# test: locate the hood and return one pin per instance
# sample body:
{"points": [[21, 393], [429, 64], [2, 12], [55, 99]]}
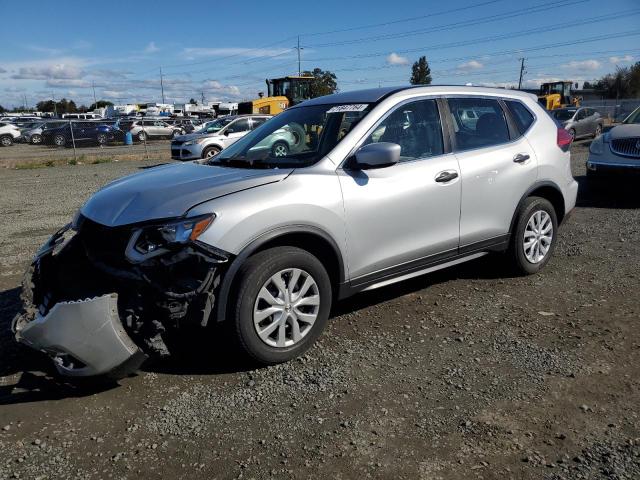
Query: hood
{"points": [[625, 131], [170, 191], [192, 136]]}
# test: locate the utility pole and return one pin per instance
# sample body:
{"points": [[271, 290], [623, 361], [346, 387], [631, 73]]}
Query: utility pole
{"points": [[202, 97], [522, 72], [55, 107], [95, 102], [298, 47], [161, 85]]}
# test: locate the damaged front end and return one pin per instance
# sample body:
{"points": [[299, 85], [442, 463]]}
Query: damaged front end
{"points": [[100, 300]]}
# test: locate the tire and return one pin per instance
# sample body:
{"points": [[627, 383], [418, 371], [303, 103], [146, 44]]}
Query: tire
{"points": [[6, 140], [36, 139], [142, 136], [280, 149], [59, 140], [176, 133], [102, 139], [527, 263], [210, 152], [256, 276], [598, 131], [572, 132]]}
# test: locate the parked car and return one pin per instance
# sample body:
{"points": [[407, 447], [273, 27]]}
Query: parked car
{"points": [[9, 133], [82, 133], [579, 122], [215, 136], [187, 125], [33, 134], [145, 129], [618, 150], [373, 195]]}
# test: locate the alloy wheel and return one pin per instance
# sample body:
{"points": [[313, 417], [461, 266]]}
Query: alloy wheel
{"points": [[280, 150], [286, 308], [538, 236]]}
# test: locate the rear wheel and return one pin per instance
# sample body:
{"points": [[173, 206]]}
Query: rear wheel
{"points": [[36, 139], [210, 152], [142, 136], [6, 140], [534, 237], [282, 304], [102, 139], [572, 132]]}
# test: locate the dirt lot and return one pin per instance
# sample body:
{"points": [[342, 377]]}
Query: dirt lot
{"points": [[464, 374]]}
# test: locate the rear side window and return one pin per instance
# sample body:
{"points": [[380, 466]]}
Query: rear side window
{"points": [[478, 122], [521, 115]]}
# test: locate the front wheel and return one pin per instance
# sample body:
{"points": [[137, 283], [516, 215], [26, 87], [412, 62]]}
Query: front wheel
{"points": [[59, 140], [6, 140], [281, 305], [534, 237], [210, 152], [280, 149], [572, 132], [36, 139], [142, 136], [102, 139], [598, 131]]}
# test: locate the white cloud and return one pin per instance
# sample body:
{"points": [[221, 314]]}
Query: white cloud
{"points": [[66, 83], [49, 71], [625, 59], [395, 59], [151, 48], [583, 65], [470, 65]]}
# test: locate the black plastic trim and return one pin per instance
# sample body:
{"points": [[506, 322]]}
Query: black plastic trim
{"points": [[527, 194]]}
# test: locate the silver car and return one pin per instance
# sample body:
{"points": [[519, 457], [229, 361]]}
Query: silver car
{"points": [[371, 195], [580, 122], [214, 136], [150, 128], [616, 151]]}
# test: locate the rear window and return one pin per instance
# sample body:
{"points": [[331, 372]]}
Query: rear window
{"points": [[521, 115], [478, 122]]}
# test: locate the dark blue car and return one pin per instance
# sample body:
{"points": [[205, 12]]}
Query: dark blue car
{"points": [[82, 133]]}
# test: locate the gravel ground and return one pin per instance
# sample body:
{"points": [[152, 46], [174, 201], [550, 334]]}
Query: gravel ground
{"points": [[464, 374]]}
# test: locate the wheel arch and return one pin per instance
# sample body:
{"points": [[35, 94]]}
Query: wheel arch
{"points": [[309, 238], [547, 190]]}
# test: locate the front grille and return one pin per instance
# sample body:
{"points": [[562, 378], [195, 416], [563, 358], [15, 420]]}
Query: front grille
{"points": [[628, 147], [106, 244]]}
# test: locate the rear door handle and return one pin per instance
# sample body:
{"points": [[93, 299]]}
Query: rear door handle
{"points": [[446, 176], [521, 157]]}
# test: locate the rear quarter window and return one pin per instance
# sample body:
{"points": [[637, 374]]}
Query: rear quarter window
{"points": [[521, 115]]}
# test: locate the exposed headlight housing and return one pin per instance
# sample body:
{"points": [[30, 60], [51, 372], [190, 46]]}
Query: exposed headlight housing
{"points": [[153, 240]]}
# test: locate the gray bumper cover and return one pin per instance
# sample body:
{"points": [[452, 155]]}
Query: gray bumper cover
{"points": [[87, 330]]}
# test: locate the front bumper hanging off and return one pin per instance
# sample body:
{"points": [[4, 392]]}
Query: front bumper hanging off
{"points": [[84, 337], [94, 313]]}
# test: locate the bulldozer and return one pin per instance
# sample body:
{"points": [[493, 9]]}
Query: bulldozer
{"points": [[282, 93], [555, 95]]}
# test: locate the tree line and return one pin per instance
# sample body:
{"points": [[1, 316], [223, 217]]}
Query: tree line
{"points": [[623, 83]]}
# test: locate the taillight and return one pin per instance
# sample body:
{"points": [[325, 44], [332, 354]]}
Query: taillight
{"points": [[564, 139]]}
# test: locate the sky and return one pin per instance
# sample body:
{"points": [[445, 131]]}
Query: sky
{"points": [[226, 50]]}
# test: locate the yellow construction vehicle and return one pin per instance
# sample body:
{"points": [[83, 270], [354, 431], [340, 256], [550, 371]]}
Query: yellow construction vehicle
{"points": [[282, 93], [557, 95]]}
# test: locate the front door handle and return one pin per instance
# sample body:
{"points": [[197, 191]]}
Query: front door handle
{"points": [[521, 157], [446, 176]]}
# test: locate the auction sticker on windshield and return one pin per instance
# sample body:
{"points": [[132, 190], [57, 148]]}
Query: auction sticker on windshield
{"points": [[356, 107]]}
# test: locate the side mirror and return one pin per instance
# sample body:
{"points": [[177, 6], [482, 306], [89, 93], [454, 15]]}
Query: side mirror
{"points": [[377, 155]]}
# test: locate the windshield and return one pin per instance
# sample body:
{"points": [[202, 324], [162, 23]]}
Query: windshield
{"points": [[298, 137], [215, 126], [634, 117], [564, 114]]}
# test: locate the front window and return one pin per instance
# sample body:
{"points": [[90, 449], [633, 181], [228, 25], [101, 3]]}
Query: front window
{"points": [[564, 115], [298, 137], [634, 118], [215, 126]]}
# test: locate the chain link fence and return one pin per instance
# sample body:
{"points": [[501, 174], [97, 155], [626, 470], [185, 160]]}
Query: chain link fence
{"points": [[615, 110]]}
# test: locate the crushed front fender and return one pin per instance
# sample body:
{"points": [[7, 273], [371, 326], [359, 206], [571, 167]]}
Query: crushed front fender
{"points": [[84, 338]]}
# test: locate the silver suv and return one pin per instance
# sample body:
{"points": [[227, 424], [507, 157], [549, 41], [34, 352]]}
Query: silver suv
{"points": [[382, 185]]}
